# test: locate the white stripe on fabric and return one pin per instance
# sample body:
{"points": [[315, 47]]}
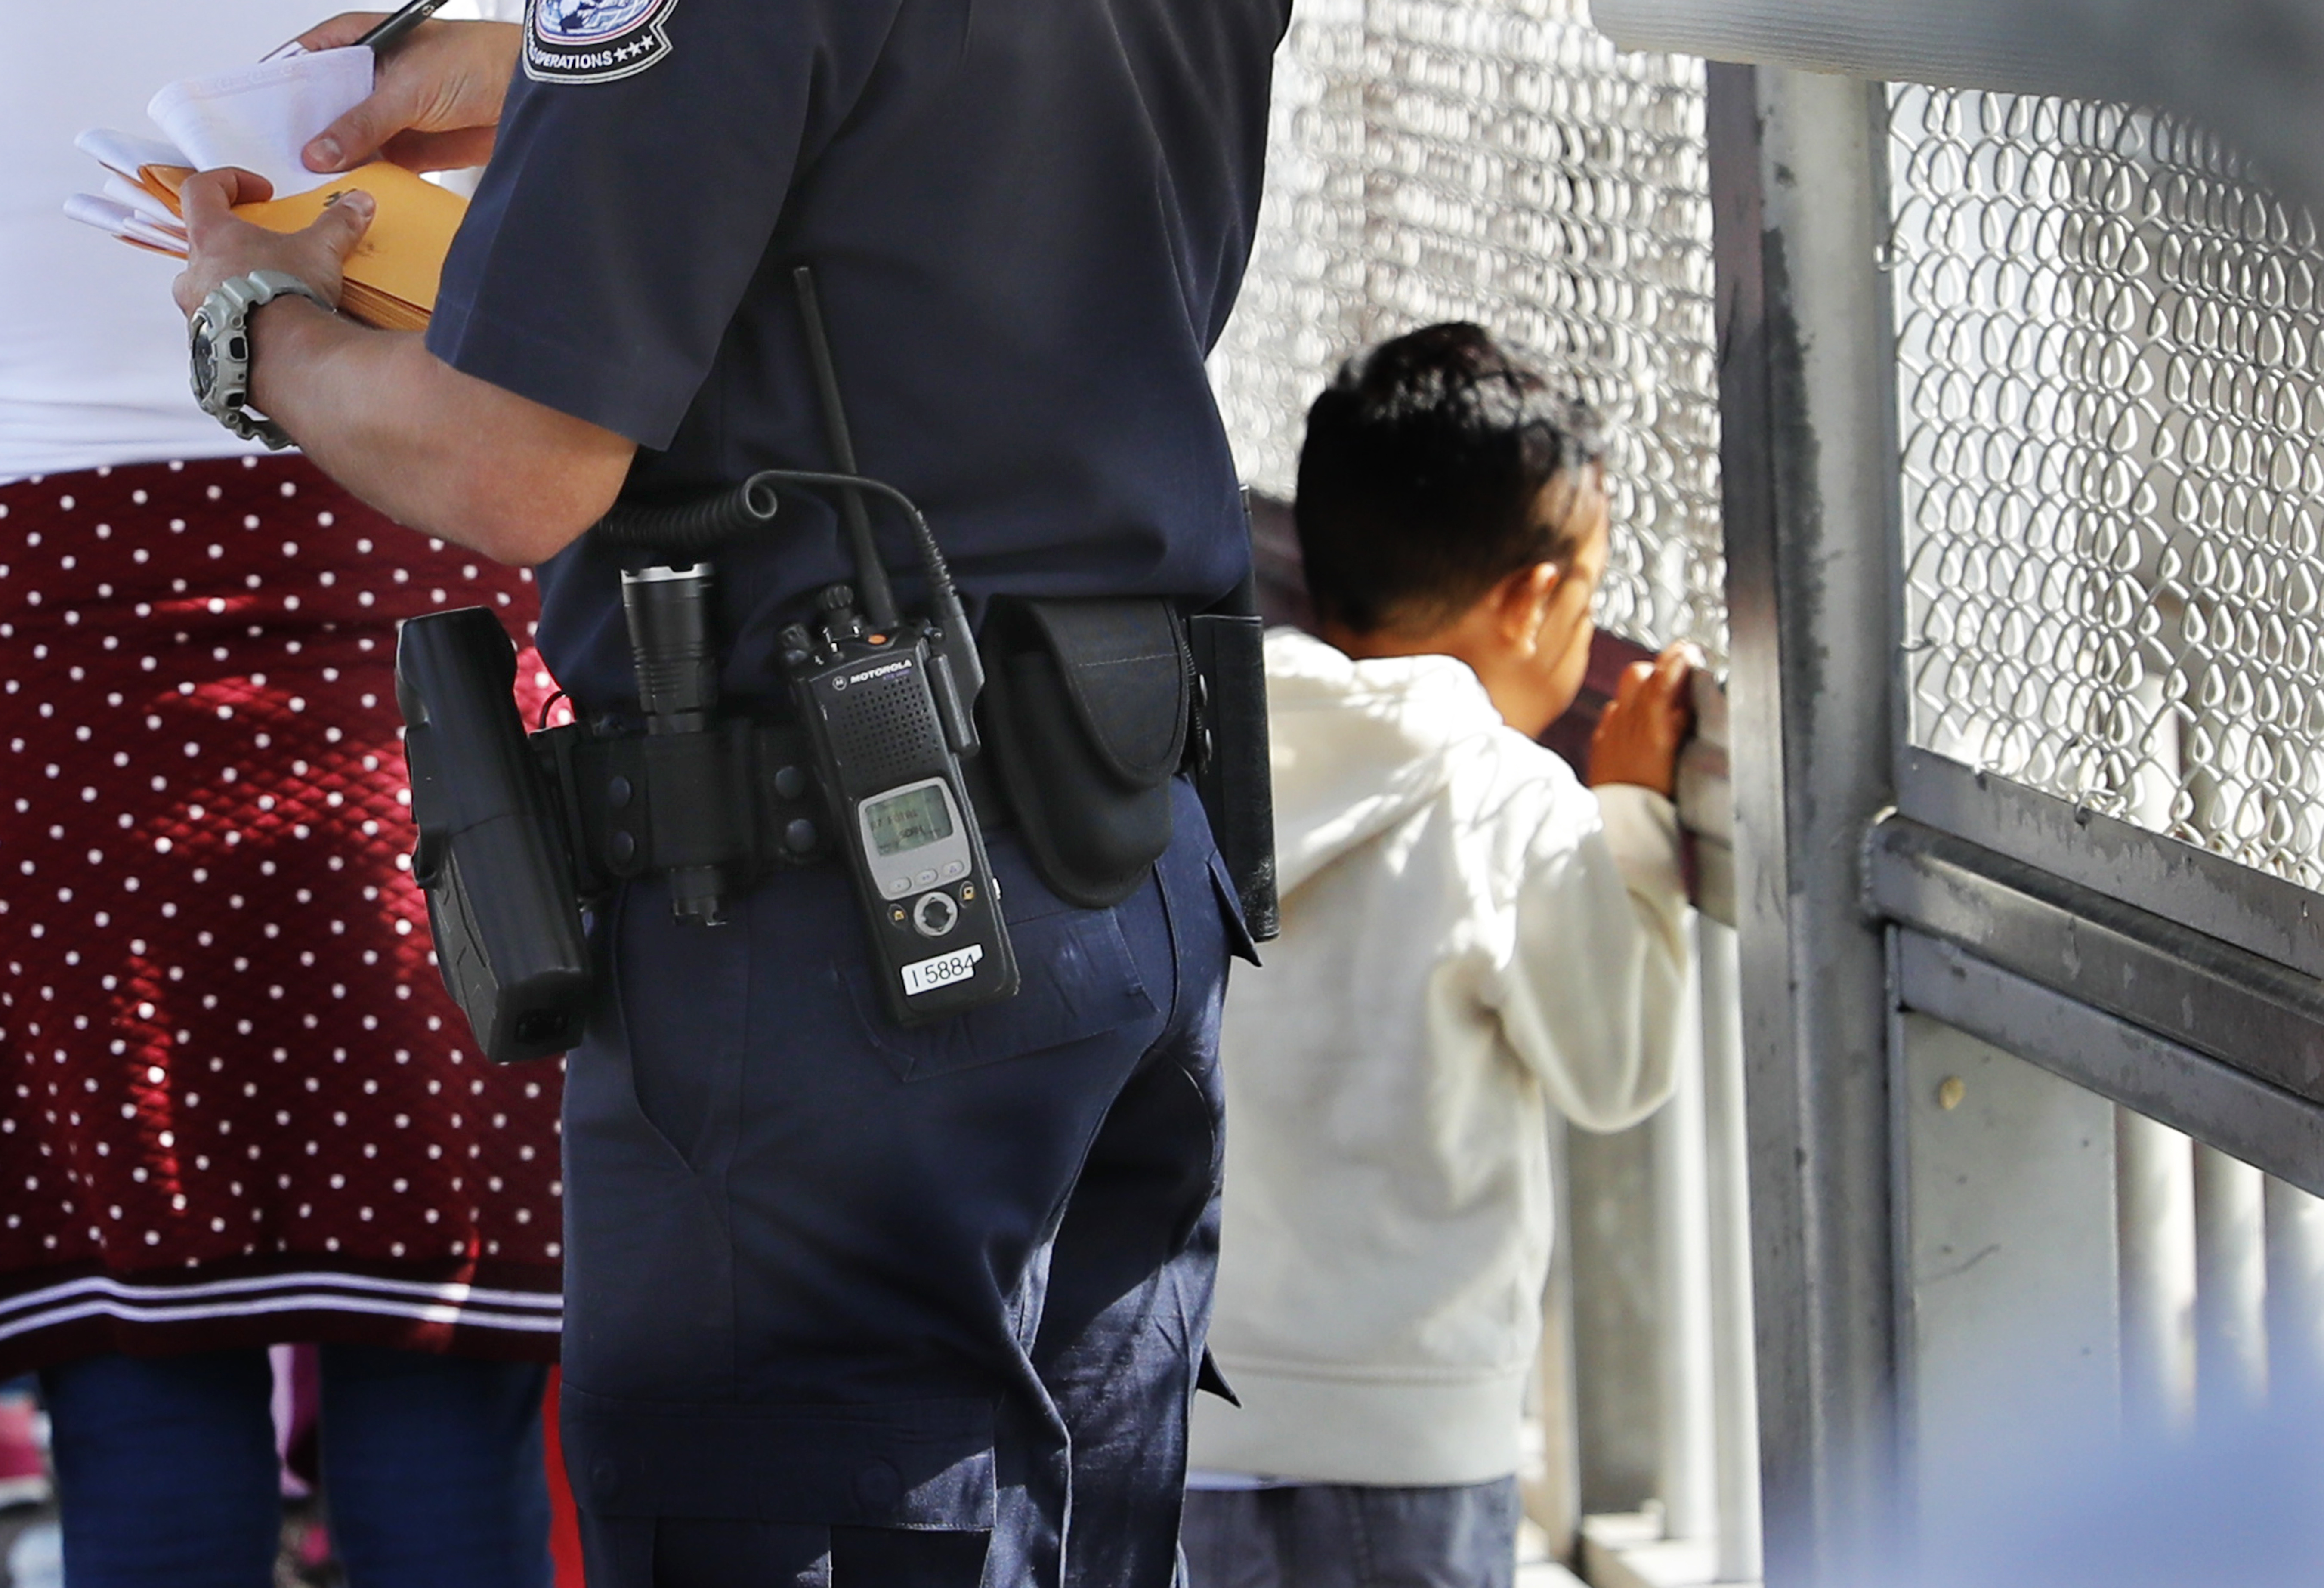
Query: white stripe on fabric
{"points": [[311, 1301], [456, 1293]]}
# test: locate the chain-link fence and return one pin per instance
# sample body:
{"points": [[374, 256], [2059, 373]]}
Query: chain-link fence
{"points": [[1499, 162], [2110, 348]]}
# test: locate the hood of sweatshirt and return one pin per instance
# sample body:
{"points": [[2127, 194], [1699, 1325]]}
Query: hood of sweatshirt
{"points": [[1357, 745]]}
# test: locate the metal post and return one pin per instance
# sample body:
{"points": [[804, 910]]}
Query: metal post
{"points": [[1553, 1489], [1806, 397], [1610, 1238], [2230, 1286], [1685, 1479], [2295, 1290], [1735, 1406], [2154, 1169]]}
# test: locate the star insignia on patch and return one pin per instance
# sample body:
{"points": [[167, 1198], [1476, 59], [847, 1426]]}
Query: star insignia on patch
{"points": [[594, 41]]}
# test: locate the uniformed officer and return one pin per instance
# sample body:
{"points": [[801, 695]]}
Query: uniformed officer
{"points": [[847, 1303]]}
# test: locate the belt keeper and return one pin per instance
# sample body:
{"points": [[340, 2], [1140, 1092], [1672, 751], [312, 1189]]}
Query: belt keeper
{"points": [[738, 797], [698, 802], [622, 839], [792, 829]]}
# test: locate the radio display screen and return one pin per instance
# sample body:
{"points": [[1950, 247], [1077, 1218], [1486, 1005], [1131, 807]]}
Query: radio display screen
{"points": [[911, 820]]}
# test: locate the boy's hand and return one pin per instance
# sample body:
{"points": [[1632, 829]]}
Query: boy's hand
{"points": [[435, 103], [1653, 710]]}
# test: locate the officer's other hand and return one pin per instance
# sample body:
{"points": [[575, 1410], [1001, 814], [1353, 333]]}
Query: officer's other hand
{"points": [[435, 101], [1653, 710], [221, 246]]}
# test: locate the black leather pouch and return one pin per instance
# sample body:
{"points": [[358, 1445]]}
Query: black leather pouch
{"points": [[1085, 713]]}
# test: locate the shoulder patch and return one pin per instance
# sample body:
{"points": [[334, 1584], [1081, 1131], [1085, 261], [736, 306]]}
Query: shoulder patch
{"points": [[593, 40]]}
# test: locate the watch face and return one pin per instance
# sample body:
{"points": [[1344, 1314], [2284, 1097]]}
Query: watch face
{"points": [[205, 357]]}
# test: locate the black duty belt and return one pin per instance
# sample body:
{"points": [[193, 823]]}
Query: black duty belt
{"points": [[1090, 706], [740, 797]]}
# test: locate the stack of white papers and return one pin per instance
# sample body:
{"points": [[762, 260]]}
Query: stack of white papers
{"points": [[258, 117], [127, 207]]}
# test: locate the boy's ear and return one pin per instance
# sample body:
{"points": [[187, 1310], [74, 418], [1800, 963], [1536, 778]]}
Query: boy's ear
{"points": [[1521, 604]]}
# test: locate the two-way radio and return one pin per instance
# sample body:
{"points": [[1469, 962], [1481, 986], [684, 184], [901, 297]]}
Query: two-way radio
{"points": [[888, 706], [870, 698]]}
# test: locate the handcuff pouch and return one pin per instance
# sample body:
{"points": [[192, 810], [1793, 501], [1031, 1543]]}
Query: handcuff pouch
{"points": [[1085, 715]]}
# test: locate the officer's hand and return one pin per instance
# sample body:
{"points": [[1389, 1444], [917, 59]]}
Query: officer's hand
{"points": [[435, 102], [222, 247], [1638, 740]]}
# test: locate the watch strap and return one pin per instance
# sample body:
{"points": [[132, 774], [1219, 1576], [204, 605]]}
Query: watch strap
{"points": [[261, 287], [228, 309]]}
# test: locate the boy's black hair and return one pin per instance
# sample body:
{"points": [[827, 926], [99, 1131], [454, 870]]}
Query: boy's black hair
{"points": [[1418, 480]]}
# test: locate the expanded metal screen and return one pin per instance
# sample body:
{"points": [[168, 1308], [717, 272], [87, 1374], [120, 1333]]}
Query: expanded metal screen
{"points": [[1498, 161], [2111, 396]]}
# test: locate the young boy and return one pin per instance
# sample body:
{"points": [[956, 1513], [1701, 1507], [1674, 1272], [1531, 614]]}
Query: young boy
{"points": [[1471, 939]]}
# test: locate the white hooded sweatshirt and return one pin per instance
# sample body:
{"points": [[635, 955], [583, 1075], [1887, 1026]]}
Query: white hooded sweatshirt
{"points": [[1471, 939]]}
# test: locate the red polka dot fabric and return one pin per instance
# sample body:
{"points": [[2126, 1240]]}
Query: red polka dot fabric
{"points": [[237, 1103]]}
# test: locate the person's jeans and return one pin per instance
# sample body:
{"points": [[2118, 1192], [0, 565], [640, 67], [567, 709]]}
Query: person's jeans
{"points": [[1353, 1536], [167, 1478]]}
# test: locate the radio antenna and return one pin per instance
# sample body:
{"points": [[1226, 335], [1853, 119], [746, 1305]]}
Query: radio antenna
{"points": [[871, 574]]}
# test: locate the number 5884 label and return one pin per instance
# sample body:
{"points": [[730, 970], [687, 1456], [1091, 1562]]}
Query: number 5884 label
{"points": [[943, 971]]}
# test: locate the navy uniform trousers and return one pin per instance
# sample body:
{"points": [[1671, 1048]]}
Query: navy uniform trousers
{"points": [[853, 1305]]}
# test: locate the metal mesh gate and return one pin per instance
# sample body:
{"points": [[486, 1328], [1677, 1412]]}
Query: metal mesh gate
{"points": [[2111, 394], [1503, 163]]}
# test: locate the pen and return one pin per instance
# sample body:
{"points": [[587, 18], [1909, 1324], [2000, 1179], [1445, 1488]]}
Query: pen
{"points": [[390, 33], [386, 36]]}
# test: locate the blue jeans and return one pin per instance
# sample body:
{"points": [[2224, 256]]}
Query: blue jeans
{"points": [[166, 1473], [1353, 1536]]}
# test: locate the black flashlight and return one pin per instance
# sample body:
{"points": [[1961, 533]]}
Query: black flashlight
{"points": [[668, 612]]}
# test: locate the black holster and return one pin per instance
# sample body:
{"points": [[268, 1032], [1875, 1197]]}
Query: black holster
{"points": [[491, 855], [1229, 750]]}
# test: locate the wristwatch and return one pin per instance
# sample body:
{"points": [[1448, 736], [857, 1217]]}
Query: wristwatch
{"points": [[219, 337]]}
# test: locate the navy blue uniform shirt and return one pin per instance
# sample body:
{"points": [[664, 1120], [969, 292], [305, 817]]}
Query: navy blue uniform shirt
{"points": [[1027, 219]]}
